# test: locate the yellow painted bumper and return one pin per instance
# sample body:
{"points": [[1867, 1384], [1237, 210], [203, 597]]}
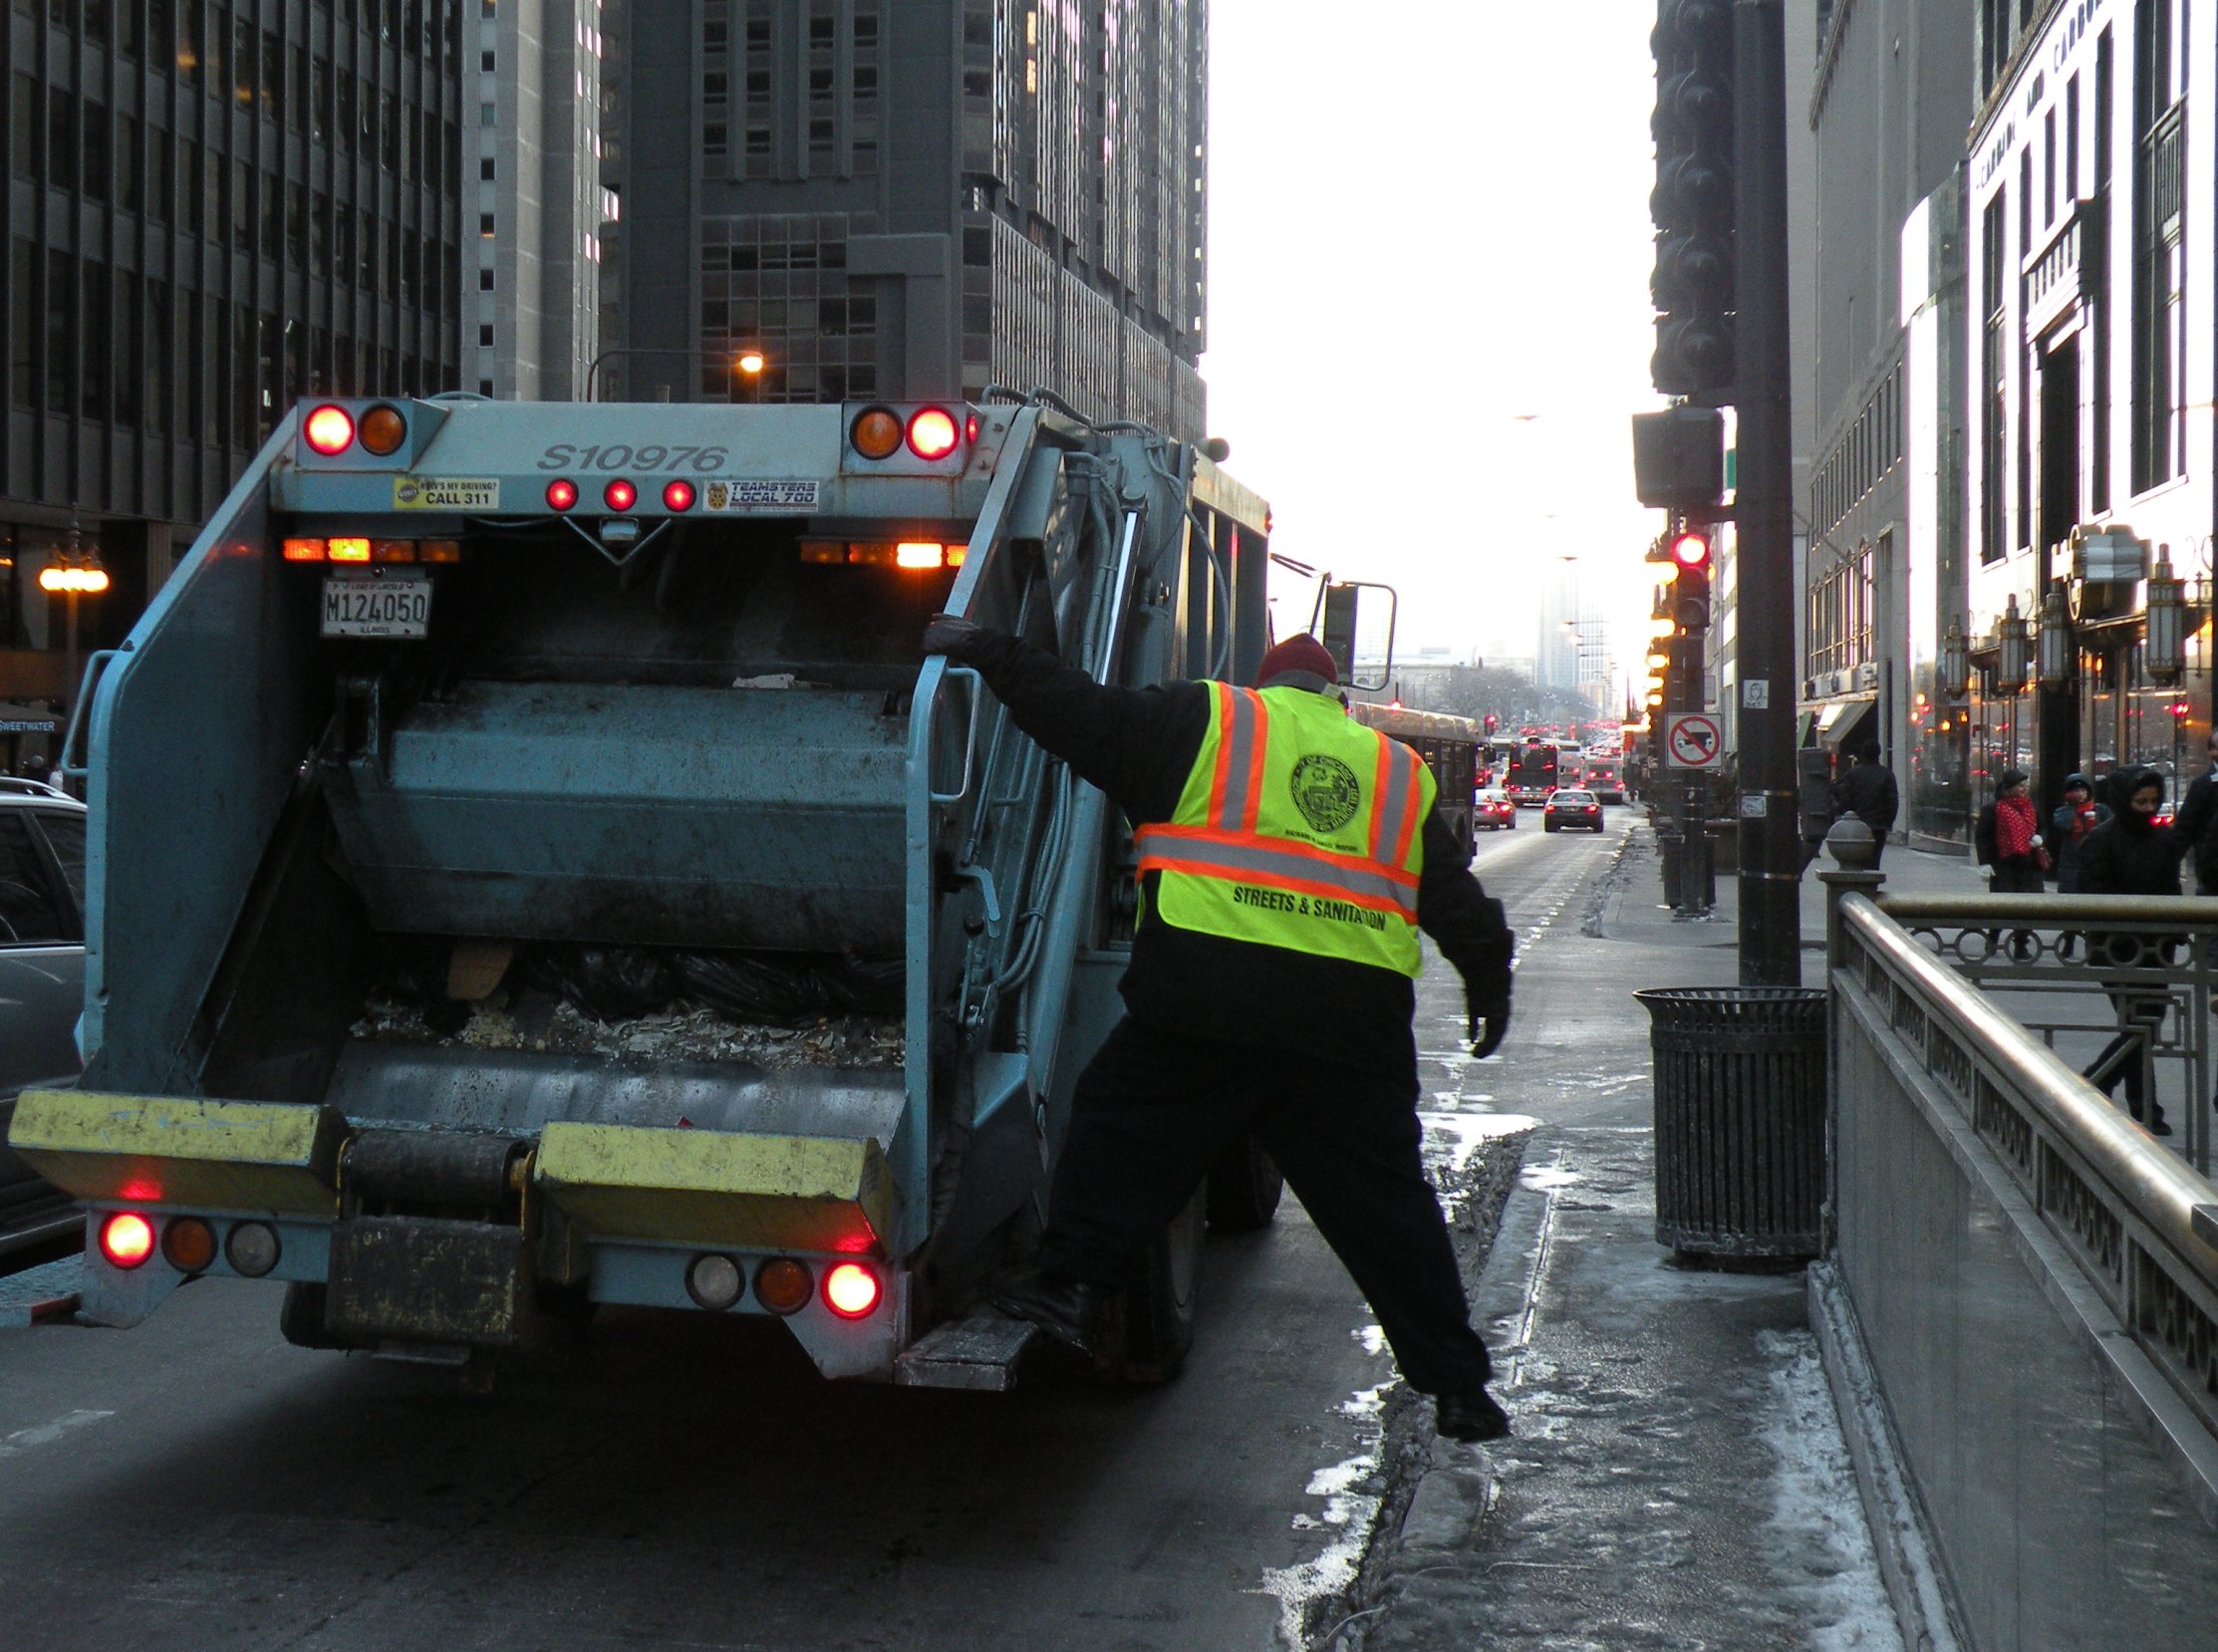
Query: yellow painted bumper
{"points": [[706, 1187], [161, 1150]]}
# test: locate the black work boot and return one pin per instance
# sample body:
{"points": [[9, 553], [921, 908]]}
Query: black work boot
{"points": [[1471, 1416], [1068, 1310]]}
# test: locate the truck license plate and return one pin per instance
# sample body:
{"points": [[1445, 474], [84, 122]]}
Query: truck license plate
{"points": [[395, 602]]}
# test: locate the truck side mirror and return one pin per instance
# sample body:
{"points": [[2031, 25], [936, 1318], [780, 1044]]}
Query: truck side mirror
{"points": [[1334, 624]]}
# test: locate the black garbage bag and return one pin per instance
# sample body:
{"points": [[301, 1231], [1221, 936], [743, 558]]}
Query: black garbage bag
{"points": [[863, 985], [609, 983], [751, 988]]}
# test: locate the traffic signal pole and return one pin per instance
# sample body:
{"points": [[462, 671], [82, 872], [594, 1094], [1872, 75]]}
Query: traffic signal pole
{"points": [[1771, 858]]}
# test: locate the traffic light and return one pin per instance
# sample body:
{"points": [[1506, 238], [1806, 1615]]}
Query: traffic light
{"points": [[1692, 206], [1689, 551], [1490, 722]]}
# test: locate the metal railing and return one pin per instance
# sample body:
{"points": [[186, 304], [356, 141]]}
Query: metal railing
{"points": [[2141, 1225], [2136, 971]]}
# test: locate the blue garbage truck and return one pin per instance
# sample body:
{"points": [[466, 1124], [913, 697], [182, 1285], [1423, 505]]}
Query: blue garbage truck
{"points": [[532, 866]]}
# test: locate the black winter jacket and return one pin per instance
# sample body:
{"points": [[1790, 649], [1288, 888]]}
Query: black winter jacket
{"points": [[1138, 746], [1868, 792], [2197, 827], [2128, 855]]}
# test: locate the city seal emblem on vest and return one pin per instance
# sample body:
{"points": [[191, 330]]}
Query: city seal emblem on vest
{"points": [[1325, 791]]}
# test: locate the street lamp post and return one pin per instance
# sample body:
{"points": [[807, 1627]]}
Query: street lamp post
{"points": [[75, 571]]}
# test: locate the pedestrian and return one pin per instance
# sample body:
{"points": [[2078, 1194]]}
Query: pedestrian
{"points": [[2077, 816], [1289, 856], [2131, 854], [2196, 825], [1868, 793], [2019, 858]]}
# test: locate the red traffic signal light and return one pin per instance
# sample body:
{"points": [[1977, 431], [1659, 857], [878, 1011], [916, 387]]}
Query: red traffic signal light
{"points": [[1691, 549]]}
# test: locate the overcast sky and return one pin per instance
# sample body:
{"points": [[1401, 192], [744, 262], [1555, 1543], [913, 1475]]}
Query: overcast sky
{"points": [[1428, 308]]}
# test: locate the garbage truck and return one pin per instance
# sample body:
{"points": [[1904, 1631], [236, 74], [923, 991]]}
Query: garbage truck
{"points": [[533, 866]]}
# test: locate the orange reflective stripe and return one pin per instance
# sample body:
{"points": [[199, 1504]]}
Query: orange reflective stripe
{"points": [[1412, 798], [1259, 734], [1147, 836], [1274, 864], [1281, 881], [1381, 784], [1224, 768]]}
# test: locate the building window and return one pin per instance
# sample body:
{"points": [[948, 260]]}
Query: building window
{"points": [[2159, 149], [484, 223], [485, 334], [1994, 417]]}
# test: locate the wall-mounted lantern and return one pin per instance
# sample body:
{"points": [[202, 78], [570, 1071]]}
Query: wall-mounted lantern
{"points": [[2055, 637], [2165, 649], [2012, 654], [1955, 662]]}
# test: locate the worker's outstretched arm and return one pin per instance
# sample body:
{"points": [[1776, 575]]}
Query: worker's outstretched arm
{"points": [[1136, 745], [1472, 931]]}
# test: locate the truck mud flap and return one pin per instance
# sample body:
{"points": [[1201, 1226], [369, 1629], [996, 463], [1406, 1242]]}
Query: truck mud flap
{"points": [[827, 1195], [266, 1157]]}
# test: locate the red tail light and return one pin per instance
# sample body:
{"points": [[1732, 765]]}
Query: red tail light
{"points": [[330, 429], [562, 493], [851, 1290], [126, 1238], [932, 432], [678, 497], [619, 495]]}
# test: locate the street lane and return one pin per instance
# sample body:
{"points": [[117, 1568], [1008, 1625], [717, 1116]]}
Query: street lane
{"points": [[200, 1484]]}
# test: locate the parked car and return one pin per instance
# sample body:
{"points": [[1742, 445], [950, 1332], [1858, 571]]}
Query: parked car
{"points": [[1569, 808], [1495, 811], [41, 959]]}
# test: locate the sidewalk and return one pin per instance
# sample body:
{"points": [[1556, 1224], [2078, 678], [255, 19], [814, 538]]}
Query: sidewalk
{"points": [[1677, 1477]]}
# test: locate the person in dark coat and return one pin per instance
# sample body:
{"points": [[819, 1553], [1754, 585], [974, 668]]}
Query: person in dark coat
{"points": [[2196, 824], [2077, 816], [1868, 792], [1285, 1034], [2131, 854]]}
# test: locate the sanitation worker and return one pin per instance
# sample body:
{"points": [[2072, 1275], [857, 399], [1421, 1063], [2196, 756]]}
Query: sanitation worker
{"points": [[1289, 856]]}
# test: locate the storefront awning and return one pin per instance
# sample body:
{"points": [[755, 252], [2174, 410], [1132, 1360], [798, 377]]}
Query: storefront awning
{"points": [[28, 719], [1845, 722]]}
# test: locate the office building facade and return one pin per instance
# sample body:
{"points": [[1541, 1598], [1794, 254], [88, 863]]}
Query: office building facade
{"points": [[915, 199], [215, 206], [532, 253]]}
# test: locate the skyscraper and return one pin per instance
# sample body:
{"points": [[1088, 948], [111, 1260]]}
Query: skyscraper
{"points": [[217, 206], [915, 199]]}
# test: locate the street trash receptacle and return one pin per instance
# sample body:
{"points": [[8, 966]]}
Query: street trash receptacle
{"points": [[1740, 1077]]}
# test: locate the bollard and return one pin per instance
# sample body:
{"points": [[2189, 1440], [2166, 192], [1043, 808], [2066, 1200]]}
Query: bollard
{"points": [[1854, 849]]}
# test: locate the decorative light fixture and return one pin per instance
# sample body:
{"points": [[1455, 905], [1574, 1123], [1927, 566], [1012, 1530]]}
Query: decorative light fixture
{"points": [[2165, 646], [2055, 638], [1955, 662], [2011, 653]]}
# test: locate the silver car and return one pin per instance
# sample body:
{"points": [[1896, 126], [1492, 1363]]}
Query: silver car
{"points": [[42, 957]]}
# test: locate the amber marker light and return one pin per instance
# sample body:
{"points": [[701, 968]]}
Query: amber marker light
{"points": [[851, 1290], [350, 550], [188, 1244], [384, 429], [126, 1238], [876, 432], [918, 554], [304, 550], [330, 429], [782, 1285]]}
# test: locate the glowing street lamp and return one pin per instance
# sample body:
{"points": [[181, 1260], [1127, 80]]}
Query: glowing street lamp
{"points": [[75, 571]]}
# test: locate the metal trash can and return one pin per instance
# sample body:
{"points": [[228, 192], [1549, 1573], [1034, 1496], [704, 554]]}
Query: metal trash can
{"points": [[1740, 1075]]}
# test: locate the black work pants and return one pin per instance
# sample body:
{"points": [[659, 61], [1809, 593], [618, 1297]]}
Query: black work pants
{"points": [[1155, 1109]]}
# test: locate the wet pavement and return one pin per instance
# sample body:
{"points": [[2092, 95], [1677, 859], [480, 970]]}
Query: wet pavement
{"points": [[1678, 1475]]}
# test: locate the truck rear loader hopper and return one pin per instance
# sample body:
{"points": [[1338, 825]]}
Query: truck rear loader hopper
{"points": [[530, 869]]}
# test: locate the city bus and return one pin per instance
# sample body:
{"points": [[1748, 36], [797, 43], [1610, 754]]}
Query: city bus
{"points": [[1452, 747], [1539, 765]]}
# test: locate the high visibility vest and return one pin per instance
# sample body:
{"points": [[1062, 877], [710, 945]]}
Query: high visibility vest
{"points": [[1297, 827]]}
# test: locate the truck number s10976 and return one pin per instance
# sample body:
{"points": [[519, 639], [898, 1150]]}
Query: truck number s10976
{"points": [[376, 607], [618, 455]]}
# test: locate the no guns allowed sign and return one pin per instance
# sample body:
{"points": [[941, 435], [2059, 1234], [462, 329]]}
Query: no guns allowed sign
{"points": [[1693, 739]]}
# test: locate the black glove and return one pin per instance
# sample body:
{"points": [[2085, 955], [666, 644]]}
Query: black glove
{"points": [[1488, 1001], [956, 638]]}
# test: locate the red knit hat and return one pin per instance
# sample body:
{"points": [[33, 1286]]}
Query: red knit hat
{"points": [[1298, 654]]}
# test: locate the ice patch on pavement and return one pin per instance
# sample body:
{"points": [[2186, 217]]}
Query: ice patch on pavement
{"points": [[1452, 1138], [1366, 1402], [1547, 1178], [1826, 1562], [1350, 1515], [1373, 1339]]}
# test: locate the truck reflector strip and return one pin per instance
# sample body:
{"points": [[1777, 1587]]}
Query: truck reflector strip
{"points": [[911, 553]]}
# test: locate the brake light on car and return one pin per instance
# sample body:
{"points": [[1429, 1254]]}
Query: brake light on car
{"points": [[851, 1290], [330, 430], [126, 1238], [932, 432]]}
